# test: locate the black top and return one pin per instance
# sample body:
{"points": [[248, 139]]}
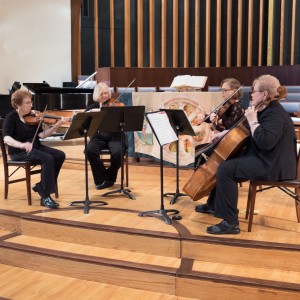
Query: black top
{"points": [[272, 152], [20, 131]]}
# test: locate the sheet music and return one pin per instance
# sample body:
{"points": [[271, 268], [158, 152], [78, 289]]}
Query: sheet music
{"points": [[160, 124]]}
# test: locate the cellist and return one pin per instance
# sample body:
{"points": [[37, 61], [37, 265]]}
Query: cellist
{"points": [[104, 177], [270, 155]]}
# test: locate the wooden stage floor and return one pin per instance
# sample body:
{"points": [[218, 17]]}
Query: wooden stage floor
{"points": [[264, 263]]}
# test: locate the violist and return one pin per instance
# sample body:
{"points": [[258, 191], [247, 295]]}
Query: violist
{"points": [[270, 154], [104, 177]]}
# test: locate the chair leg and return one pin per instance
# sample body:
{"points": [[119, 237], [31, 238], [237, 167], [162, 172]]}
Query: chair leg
{"points": [[248, 202], [6, 185], [298, 210], [28, 184], [297, 203], [252, 196]]}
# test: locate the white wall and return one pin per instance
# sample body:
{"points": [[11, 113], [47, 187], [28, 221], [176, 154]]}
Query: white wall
{"points": [[35, 42]]}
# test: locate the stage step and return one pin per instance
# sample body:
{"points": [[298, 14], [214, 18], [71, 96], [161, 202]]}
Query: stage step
{"points": [[19, 284], [195, 267]]}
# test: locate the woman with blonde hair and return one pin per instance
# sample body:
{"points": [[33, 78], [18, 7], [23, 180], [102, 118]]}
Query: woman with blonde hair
{"points": [[104, 177]]}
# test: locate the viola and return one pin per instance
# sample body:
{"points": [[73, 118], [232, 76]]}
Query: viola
{"points": [[35, 117]]}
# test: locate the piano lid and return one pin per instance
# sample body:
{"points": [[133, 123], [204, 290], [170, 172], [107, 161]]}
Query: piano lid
{"points": [[45, 88], [59, 98]]}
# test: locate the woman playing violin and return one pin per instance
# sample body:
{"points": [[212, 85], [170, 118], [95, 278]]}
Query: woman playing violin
{"points": [[103, 177], [270, 155], [225, 118], [23, 146]]}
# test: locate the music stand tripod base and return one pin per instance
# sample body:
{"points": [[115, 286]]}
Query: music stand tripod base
{"points": [[161, 213], [125, 192], [86, 204], [175, 196]]}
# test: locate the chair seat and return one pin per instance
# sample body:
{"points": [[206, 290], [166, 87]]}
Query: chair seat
{"points": [[290, 183], [282, 185]]}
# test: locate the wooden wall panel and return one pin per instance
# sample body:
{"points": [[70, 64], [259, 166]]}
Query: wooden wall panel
{"points": [[252, 35]]}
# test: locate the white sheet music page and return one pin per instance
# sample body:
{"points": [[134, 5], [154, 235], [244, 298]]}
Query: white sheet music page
{"points": [[161, 126]]}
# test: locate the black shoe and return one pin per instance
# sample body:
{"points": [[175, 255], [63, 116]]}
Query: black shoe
{"points": [[37, 189], [203, 208], [224, 228], [49, 202], [105, 184]]}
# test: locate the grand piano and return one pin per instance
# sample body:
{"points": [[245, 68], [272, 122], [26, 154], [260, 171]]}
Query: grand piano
{"points": [[56, 98]]}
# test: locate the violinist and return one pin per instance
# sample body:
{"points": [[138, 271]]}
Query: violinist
{"points": [[270, 154], [224, 119], [104, 177], [23, 146]]}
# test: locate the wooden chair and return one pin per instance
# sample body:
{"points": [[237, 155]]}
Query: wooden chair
{"points": [[257, 186], [105, 156], [11, 167]]}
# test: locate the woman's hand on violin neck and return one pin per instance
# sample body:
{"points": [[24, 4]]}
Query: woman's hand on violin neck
{"points": [[63, 120]]}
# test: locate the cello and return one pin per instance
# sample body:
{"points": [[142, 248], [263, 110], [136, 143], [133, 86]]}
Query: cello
{"points": [[203, 180]]}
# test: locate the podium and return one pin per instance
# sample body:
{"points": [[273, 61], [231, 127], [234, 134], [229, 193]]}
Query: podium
{"points": [[121, 119], [84, 125], [164, 134], [181, 125]]}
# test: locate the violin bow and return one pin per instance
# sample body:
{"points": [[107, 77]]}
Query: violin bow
{"points": [[41, 120], [125, 89]]}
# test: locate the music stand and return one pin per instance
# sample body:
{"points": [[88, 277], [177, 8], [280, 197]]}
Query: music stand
{"points": [[122, 119], [162, 212], [181, 125], [82, 125]]}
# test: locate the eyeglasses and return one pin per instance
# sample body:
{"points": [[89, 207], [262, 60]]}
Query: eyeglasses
{"points": [[224, 90]]}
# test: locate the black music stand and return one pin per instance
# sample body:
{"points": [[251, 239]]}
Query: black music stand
{"points": [[162, 212], [122, 119], [181, 125], [82, 126]]}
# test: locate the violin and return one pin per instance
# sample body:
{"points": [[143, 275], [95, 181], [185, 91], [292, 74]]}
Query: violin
{"points": [[224, 106], [112, 103], [35, 117]]}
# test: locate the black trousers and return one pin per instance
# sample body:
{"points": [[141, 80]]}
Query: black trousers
{"points": [[224, 197], [94, 147], [51, 161]]}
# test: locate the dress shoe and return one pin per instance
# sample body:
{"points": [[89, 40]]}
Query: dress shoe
{"points": [[49, 202], [105, 184], [224, 228], [37, 189], [203, 208]]}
